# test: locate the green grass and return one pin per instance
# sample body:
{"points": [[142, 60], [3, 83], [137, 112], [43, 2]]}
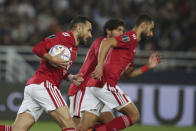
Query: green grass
{"points": [[52, 126]]}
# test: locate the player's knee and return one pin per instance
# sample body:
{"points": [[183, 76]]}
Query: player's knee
{"points": [[65, 122], [76, 120], [135, 117]]}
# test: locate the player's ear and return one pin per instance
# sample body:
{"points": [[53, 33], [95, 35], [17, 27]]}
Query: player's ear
{"points": [[143, 25], [78, 27], [108, 32]]}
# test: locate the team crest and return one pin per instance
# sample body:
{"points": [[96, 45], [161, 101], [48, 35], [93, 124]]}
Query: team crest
{"points": [[125, 38]]}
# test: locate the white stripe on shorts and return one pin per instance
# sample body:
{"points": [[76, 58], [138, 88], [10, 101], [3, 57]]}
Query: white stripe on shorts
{"points": [[118, 95], [57, 98], [77, 103]]}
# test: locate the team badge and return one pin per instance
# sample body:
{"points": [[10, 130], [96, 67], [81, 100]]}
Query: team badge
{"points": [[125, 38]]}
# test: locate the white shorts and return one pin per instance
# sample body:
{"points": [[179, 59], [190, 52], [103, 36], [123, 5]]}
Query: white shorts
{"points": [[76, 102], [95, 98], [39, 98]]}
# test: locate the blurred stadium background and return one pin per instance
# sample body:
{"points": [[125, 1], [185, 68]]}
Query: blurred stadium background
{"points": [[166, 96]]}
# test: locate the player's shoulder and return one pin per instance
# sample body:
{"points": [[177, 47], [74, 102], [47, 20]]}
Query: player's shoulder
{"points": [[132, 34], [59, 35], [64, 34], [98, 41], [127, 37]]}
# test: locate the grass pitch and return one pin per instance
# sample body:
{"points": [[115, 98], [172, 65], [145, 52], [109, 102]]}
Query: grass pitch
{"points": [[52, 126]]}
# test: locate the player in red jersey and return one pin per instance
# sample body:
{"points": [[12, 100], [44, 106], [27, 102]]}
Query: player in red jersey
{"points": [[112, 28], [41, 92], [102, 89]]}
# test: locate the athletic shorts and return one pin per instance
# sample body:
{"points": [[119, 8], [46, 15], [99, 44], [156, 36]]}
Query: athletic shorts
{"points": [[76, 102], [41, 97], [96, 98]]}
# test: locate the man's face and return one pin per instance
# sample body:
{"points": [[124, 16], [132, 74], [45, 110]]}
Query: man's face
{"points": [[148, 31], [118, 31], [85, 33]]}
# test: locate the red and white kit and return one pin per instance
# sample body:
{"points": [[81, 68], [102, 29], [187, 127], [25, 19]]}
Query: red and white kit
{"points": [[106, 91], [76, 93], [41, 91]]}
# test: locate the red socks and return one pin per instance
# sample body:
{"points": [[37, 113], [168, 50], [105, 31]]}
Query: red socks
{"points": [[97, 125], [5, 128], [118, 123]]}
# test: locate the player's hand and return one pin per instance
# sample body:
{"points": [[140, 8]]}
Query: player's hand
{"points": [[77, 79], [98, 72], [154, 60], [58, 62]]}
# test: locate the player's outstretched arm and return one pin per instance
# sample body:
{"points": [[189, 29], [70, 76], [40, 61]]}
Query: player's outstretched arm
{"points": [[153, 61], [103, 50]]}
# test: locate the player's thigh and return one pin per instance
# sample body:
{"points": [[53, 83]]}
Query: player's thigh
{"points": [[132, 111], [76, 120], [62, 117], [106, 115], [88, 120], [29, 105], [23, 122]]}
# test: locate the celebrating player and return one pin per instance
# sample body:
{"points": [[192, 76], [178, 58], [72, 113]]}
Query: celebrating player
{"points": [[102, 89], [41, 92], [112, 28]]}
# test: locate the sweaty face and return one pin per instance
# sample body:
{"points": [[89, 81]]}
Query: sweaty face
{"points": [[148, 31], [85, 33], [118, 31]]}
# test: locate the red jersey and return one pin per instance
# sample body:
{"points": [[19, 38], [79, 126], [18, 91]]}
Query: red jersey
{"points": [[117, 60], [88, 66], [45, 70]]}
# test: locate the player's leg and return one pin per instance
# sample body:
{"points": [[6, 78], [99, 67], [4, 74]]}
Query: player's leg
{"points": [[75, 106], [62, 117], [131, 111], [88, 121], [53, 103], [115, 98], [28, 113], [90, 108], [24, 121], [106, 115]]}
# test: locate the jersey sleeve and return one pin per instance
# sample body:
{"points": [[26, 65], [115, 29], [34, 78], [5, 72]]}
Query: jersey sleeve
{"points": [[44, 46], [40, 49], [124, 41]]}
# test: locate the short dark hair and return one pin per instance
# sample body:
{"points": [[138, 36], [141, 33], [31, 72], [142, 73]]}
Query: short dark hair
{"points": [[144, 18], [78, 19], [113, 24]]}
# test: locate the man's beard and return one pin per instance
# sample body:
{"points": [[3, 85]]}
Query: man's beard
{"points": [[144, 36], [82, 41]]}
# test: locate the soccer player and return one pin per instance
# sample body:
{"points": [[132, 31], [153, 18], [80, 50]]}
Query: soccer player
{"points": [[102, 89], [41, 92], [112, 28]]}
